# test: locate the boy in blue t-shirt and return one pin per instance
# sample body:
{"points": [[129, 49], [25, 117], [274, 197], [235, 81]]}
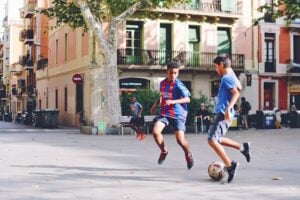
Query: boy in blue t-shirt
{"points": [[229, 92]]}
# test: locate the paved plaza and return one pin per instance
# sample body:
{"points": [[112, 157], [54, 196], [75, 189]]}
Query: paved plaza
{"points": [[63, 164]]}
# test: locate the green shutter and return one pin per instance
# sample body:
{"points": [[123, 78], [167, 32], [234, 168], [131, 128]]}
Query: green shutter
{"points": [[194, 34], [224, 41], [228, 5]]}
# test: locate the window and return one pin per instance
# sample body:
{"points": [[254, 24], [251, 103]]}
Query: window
{"points": [[296, 50], [56, 52], [133, 42], [56, 98], [66, 47], [165, 44], [194, 45], [224, 41], [66, 99], [269, 51]]}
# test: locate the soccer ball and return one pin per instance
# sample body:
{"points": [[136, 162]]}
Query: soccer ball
{"points": [[216, 170]]}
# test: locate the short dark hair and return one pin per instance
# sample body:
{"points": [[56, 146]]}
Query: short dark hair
{"points": [[223, 58], [173, 65]]}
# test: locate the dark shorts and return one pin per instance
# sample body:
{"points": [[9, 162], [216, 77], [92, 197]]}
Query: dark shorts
{"points": [[176, 124], [218, 129], [137, 121]]}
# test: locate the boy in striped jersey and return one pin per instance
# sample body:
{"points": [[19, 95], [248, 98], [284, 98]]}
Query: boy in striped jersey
{"points": [[173, 100]]}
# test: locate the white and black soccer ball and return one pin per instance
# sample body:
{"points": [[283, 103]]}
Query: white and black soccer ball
{"points": [[216, 170]]}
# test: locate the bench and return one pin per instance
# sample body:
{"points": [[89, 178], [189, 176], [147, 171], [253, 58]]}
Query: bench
{"points": [[125, 122], [148, 121]]}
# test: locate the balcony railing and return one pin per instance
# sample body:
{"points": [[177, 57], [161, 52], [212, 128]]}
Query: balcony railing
{"points": [[219, 6], [293, 66], [193, 60], [26, 61], [28, 10], [270, 65], [41, 63]]}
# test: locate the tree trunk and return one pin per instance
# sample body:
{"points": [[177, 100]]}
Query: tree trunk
{"points": [[110, 85]]}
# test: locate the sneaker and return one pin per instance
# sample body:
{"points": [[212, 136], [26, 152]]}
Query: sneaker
{"points": [[162, 157], [189, 160], [232, 171], [246, 152], [142, 136]]}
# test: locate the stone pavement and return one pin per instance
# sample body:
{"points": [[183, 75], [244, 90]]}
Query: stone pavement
{"points": [[62, 164]]}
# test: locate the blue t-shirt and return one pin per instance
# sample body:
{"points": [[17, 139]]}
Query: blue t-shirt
{"points": [[173, 90], [136, 108], [228, 81]]}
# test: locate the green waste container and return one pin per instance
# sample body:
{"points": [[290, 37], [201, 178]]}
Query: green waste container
{"points": [[50, 117]]}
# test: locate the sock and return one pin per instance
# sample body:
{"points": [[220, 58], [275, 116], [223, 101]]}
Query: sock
{"points": [[242, 148]]}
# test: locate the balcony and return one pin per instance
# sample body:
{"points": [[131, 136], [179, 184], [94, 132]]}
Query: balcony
{"points": [[293, 66], [28, 10], [27, 36], [191, 60], [212, 11], [213, 6], [42, 63], [270, 65], [26, 61]]}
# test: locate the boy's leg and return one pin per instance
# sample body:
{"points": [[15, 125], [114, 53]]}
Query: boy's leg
{"points": [[157, 135], [181, 140]]}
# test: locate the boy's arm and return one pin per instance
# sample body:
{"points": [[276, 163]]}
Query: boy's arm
{"points": [[154, 106], [235, 95], [180, 101]]}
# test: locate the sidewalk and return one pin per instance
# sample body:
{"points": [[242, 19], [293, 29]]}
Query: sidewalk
{"points": [[64, 165]]}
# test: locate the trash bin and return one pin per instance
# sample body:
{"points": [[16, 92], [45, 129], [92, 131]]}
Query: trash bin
{"points": [[295, 119], [50, 117], [265, 119]]}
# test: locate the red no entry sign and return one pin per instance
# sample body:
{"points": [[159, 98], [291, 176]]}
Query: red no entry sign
{"points": [[77, 78]]}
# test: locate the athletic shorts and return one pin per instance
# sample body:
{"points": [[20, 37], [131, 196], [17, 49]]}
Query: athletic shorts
{"points": [[219, 128], [137, 121], [176, 124]]}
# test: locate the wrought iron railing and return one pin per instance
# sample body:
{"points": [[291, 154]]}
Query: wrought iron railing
{"points": [[195, 60], [234, 7]]}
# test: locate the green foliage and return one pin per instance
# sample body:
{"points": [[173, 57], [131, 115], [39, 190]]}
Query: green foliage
{"points": [[147, 97], [289, 9], [70, 13]]}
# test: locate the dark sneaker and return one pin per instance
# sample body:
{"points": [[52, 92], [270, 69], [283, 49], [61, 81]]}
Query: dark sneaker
{"points": [[162, 157], [189, 160], [246, 151], [232, 171]]}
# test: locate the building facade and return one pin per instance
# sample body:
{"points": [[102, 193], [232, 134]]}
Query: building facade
{"points": [[278, 63]]}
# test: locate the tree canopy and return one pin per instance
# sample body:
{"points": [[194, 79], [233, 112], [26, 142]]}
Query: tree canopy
{"points": [[68, 11], [289, 9]]}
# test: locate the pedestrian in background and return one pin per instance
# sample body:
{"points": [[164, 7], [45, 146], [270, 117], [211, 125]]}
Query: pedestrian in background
{"points": [[137, 120], [202, 118], [244, 110]]}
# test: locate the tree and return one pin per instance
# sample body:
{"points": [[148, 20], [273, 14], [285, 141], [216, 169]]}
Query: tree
{"points": [[289, 9], [91, 14]]}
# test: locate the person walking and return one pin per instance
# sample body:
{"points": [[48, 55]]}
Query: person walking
{"points": [[228, 94], [173, 100], [137, 120], [244, 110], [203, 118]]}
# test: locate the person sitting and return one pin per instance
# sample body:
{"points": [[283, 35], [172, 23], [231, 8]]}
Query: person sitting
{"points": [[203, 116]]}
